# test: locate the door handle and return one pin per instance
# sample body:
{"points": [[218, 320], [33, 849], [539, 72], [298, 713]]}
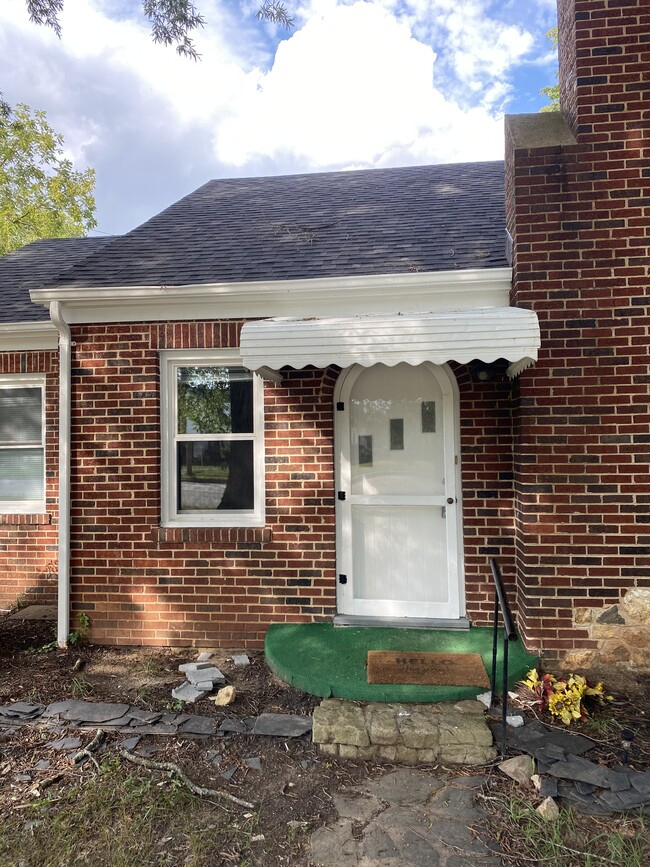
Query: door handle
{"points": [[450, 500]]}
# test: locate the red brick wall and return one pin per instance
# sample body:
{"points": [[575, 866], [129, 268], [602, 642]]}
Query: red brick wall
{"points": [[487, 482], [141, 584], [28, 543], [580, 216]]}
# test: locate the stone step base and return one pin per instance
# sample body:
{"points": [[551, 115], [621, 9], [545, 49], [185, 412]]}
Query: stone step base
{"points": [[450, 732]]}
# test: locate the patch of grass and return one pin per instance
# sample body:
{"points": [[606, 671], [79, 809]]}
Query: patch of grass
{"points": [[122, 818], [79, 687], [573, 840], [152, 665]]}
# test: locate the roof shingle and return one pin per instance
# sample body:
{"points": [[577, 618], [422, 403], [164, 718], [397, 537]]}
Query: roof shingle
{"points": [[36, 265], [381, 221]]}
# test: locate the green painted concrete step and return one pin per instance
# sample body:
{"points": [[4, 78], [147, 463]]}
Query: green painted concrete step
{"points": [[325, 660]]}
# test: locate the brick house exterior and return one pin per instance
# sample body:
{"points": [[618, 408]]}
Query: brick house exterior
{"points": [[553, 462], [578, 199]]}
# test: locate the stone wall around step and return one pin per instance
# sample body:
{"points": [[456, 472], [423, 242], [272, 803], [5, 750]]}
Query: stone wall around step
{"points": [[450, 732]]}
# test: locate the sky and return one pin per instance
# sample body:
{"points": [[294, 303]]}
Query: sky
{"points": [[353, 85]]}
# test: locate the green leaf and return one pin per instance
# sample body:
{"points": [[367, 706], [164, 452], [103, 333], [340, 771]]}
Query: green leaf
{"points": [[41, 194]]}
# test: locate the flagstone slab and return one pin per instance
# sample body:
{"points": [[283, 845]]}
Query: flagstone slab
{"points": [[65, 744], [282, 725], [143, 715], [199, 725], [205, 673], [188, 692], [580, 770], [234, 725], [23, 709], [120, 722], [87, 711], [154, 729]]}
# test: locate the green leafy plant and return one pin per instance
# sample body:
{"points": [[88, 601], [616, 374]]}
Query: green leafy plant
{"points": [[74, 637], [79, 634], [566, 698]]}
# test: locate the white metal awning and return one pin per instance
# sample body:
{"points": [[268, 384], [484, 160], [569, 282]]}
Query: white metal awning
{"points": [[486, 334]]}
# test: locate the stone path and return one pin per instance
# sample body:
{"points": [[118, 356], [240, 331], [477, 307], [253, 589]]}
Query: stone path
{"points": [[129, 719], [407, 818]]}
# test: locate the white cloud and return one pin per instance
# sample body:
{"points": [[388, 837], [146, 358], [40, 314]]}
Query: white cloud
{"points": [[351, 86], [391, 82]]}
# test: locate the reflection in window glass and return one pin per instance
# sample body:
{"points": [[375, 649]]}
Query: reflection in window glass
{"points": [[20, 415], [214, 400], [215, 475], [21, 475]]}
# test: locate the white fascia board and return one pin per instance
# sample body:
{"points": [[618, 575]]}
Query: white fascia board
{"points": [[324, 296], [28, 336]]}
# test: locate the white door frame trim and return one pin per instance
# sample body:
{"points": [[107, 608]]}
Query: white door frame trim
{"points": [[451, 421]]}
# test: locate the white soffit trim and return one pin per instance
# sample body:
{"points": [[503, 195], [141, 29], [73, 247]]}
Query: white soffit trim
{"points": [[323, 296], [486, 334], [26, 336]]}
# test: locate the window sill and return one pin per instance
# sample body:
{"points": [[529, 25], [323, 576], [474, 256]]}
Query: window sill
{"points": [[13, 518], [212, 534]]}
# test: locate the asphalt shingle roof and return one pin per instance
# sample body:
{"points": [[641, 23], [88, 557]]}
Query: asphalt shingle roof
{"points": [[381, 221], [38, 264]]}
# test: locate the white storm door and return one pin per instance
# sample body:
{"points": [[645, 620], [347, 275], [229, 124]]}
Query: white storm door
{"points": [[397, 498]]}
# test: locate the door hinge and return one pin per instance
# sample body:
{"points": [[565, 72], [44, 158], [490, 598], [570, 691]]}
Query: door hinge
{"points": [[341, 495], [343, 579], [340, 406], [443, 511]]}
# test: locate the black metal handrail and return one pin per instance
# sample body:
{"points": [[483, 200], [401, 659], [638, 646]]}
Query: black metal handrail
{"points": [[509, 634]]}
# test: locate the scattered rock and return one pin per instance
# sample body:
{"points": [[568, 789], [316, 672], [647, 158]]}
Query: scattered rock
{"points": [[205, 673], [199, 665], [130, 743], [254, 762], [229, 773], [515, 721], [485, 698], [204, 656], [519, 768], [225, 696], [188, 692], [548, 810], [241, 659]]}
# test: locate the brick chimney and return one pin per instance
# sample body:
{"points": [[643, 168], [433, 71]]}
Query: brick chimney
{"points": [[604, 54], [578, 210]]}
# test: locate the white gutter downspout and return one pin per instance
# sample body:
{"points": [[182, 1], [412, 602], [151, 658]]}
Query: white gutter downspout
{"points": [[65, 388]]}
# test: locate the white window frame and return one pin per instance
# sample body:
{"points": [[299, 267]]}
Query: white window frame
{"points": [[25, 507], [170, 361]]}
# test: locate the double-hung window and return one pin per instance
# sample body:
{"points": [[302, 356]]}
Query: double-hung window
{"points": [[22, 444], [212, 440]]}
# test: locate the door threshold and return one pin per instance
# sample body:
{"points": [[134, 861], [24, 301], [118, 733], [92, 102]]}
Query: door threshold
{"points": [[401, 622]]}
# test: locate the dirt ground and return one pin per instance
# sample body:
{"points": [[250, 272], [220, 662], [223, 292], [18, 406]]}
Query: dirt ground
{"points": [[294, 786]]}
